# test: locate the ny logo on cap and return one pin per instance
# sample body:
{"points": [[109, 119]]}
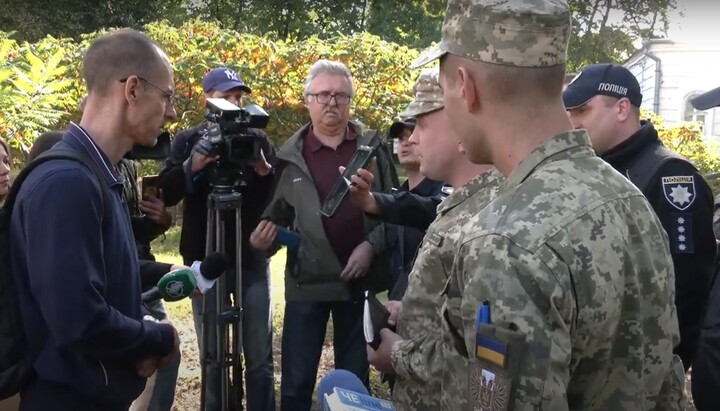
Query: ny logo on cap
{"points": [[231, 75]]}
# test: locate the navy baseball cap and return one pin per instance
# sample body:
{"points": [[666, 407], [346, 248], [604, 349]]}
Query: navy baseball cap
{"points": [[223, 79], [707, 100], [401, 123], [602, 79]]}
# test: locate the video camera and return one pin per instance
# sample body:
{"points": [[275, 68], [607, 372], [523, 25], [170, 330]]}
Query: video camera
{"points": [[228, 134]]}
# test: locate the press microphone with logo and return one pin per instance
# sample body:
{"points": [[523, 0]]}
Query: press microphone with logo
{"points": [[208, 270], [173, 286], [341, 390]]}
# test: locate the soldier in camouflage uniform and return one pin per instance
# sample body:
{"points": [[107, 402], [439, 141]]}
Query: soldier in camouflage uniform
{"points": [[561, 294], [417, 360]]}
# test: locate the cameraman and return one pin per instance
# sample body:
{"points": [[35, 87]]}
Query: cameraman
{"points": [[186, 177]]}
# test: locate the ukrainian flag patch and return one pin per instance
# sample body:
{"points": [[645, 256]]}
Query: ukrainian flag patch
{"points": [[490, 350]]}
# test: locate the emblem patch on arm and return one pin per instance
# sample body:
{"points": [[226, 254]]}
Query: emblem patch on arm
{"points": [[679, 191], [681, 234]]}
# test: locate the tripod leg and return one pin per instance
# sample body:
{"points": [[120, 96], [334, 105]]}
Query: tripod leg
{"points": [[237, 324], [205, 328], [220, 328]]}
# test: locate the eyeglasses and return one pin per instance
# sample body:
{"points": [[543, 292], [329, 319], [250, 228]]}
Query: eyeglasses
{"points": [[341, 99], [169, 96]]}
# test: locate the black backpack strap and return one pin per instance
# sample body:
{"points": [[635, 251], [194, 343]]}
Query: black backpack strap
{"points": [[57, 154]]}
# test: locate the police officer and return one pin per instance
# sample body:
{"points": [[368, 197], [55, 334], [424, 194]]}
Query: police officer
{"points": [[561, 294], [706, 367], [415, 359], [605, 100]]}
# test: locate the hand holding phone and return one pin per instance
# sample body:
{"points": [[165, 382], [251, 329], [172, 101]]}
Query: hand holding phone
{"points": [[150, 187]]}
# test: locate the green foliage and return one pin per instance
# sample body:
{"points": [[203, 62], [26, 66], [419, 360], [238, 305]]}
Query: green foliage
{"points": [[686, 139], [41, 83], [34, 89]]}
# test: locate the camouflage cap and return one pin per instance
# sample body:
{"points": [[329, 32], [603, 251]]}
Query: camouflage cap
{"points": [[522, 33], [427, 94]]}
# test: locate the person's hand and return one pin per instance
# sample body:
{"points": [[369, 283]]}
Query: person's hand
{"points": [[261, 166], [154, 209], [380, 358], [394, 308], [359, 262], [263, 236], [199, 161], [360, 195], [147, 367], [162, 361]]}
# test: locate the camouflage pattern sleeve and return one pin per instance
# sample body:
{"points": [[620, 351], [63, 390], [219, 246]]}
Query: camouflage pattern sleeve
{"points": [[520, 358], [419, 358]]}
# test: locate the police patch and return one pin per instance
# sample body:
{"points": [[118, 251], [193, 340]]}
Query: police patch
{"points": [[489, 391], [679, 191]]}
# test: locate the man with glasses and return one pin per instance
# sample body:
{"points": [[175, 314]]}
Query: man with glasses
{"points": [[605, 99], [338, 256], [73, 255], [185, 177]]}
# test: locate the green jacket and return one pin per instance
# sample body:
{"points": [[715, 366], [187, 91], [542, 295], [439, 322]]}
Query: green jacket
{"points": [[312, 272]]}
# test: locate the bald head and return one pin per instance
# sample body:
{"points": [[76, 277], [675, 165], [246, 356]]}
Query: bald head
{"points": [[118, 55]]}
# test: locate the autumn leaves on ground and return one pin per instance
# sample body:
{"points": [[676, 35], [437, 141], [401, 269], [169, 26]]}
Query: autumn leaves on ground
{"points": [[187, 395]]}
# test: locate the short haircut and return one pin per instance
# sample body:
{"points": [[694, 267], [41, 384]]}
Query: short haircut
{"points": [[44, 143], [523, 84], [510, 84], [118, 55], [327, 67]]}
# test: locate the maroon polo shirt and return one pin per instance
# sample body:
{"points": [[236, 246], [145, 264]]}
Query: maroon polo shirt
{"points": [[345, 229]]}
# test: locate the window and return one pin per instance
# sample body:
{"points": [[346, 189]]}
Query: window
{"points": [[690, 114], [716, 122]]}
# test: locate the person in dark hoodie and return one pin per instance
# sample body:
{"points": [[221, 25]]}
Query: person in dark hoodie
{"points": [[71, 245], [605, 99]]}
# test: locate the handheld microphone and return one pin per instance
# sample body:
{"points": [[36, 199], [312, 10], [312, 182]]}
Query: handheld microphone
{"points": [[173, 286], [207, 271], [341, 390]]}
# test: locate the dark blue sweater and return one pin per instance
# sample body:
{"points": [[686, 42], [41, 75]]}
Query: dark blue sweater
{"points": [[76, 270]]}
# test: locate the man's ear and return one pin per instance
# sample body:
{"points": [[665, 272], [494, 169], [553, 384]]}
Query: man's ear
{"points": [[623, 109], [466, 85], [131, 87]]}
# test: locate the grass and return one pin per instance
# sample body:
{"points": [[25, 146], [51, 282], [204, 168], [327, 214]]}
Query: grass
{"points": [[187, 395]]}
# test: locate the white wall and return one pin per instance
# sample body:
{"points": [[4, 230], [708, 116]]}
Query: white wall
{"points": [[686, 69]]}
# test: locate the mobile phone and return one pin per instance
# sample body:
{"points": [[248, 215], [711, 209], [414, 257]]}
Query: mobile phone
{"points": [[359, 160], [375, 318], [149, 187], [288, 238]]}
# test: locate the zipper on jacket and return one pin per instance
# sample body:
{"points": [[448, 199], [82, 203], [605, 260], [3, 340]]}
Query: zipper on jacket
{"points": [[107, 383]]}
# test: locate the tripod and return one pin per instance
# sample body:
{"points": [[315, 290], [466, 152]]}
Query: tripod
{"points": [[222, 379]]}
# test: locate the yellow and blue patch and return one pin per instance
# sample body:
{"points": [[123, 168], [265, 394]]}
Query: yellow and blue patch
{"points": [[490, 350]]}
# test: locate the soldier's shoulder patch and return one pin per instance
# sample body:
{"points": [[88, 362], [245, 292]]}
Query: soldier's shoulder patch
{"points": [[679, 191], [488, 390], [681, 233]]}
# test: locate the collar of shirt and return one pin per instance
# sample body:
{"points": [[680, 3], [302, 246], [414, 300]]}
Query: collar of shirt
{"points": [[109, 171], [426, 187], [314, 144], [492, 179], [572, 143]]}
